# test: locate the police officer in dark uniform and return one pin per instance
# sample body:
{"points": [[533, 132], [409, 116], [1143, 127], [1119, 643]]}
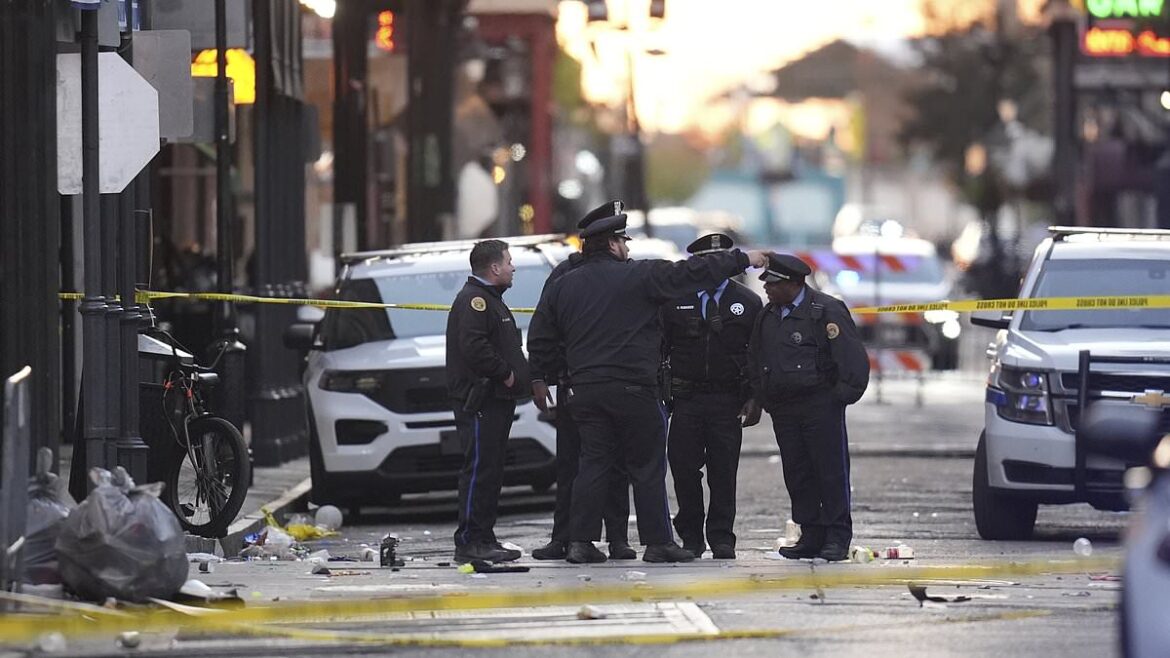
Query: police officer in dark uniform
{"points": [[807, 363], [705, 338], [604, 315], [617, 506], [486, 374]]}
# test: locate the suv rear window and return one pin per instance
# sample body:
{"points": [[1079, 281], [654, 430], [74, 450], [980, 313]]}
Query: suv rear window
{"points": [[344, 328], [1100, 277]]}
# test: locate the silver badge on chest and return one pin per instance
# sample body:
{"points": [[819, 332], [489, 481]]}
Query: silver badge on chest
{"points": [[797, 336]]}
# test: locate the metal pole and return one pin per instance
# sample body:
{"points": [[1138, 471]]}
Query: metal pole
{"points": [[226, 351], [132, 452], [1064, 161], [93, 305]]}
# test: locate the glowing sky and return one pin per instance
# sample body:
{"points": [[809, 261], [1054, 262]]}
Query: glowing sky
{"points": [[713, 45]]}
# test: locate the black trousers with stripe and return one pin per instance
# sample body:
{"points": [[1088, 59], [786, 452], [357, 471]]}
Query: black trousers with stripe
{"points": [[814, 450], [621, 425], [485, 437]]}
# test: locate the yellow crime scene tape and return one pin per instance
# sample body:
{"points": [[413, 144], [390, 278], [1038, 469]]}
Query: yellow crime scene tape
{"points": [[71, 621], [961, 306]]}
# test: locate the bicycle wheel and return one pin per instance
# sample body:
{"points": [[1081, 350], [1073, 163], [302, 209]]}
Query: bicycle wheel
{"points": [[206, 488]]}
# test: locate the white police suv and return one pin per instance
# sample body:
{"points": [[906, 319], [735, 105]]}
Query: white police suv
{"points": [[1049, 365], [380, 418]]}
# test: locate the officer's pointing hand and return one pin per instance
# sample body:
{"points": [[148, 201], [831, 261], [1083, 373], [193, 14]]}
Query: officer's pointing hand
{"points": [[541, 396], [758, 258]]}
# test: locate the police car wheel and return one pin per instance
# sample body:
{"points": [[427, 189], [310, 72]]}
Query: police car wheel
{"points": [[998, 516]]}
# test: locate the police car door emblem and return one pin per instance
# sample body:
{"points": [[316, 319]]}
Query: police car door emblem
{"points": [[833, 330], [478, 304], [796, 336], [737, 309]]}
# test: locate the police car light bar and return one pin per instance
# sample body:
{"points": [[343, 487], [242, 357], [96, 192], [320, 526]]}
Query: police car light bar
{"points": [[1062, 232]]}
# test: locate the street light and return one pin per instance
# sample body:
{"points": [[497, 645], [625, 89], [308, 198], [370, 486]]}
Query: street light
{"points": [[634, 179]]}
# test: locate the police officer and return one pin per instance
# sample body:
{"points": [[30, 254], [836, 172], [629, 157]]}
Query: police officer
{"points": [[808, 363], [604, 315], [617, 505], [486, 374], [705, 338]]}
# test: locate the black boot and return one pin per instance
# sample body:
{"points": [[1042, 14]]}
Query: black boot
{"points": [[486, 552], [584, 552], [808, 546], [621, 551], [554, 550], [834, 551], [669, 552]]}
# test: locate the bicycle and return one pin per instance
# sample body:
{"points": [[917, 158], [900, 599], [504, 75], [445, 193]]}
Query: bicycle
{"points": [[208, 480]]}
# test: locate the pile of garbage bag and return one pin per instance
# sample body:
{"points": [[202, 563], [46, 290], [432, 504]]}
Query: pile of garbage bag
{"points": [[49, 504], [122, 542]]}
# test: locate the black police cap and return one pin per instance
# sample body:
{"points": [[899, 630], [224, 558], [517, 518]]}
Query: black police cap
{"points": [[784, 267], [614, 227], [604, 211], [709, 244]]}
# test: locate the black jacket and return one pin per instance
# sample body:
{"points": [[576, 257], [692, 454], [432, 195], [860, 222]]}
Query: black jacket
{"points": [[815, 349], [484, 341], [555, 363], [604, 313], [698, 354]]}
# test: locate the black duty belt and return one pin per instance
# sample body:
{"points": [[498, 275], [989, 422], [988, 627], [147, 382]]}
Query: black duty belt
{"points": [[688, 386]]}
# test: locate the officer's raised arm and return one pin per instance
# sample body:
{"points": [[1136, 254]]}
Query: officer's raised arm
{"points": [[666, 280]]}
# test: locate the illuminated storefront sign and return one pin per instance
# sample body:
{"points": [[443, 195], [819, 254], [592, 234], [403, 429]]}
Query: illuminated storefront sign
{"points": [[1126, 28], [1125, 8]]}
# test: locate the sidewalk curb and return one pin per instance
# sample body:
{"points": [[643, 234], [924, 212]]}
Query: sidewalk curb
{"points": [[892, 450], [233, 542]]}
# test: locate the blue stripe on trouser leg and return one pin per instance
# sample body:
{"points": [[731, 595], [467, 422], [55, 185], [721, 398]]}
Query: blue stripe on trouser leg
{"points": [[845, 462], [665, 497], [474, 473]]}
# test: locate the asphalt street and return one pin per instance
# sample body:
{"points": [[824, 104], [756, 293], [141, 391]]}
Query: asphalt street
{"points": [[911, 484]]}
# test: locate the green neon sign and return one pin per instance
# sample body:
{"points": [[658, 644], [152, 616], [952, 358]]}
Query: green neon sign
{"points": [[1125, 8]]}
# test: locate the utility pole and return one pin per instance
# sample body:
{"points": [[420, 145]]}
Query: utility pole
{"points": [[350, 134], [227, 351], [431, 71], [1062, 29]]}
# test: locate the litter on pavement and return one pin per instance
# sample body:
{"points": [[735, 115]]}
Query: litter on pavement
{"points": [[919, 593]]}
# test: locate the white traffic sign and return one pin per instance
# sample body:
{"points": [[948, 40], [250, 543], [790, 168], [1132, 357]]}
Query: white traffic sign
{"points": [[127, 123]]}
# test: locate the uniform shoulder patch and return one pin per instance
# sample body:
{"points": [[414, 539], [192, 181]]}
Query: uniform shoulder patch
{"points": [[479, 304], [833, 330]]}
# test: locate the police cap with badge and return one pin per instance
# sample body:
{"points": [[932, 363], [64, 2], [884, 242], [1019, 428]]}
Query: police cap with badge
{"points": [[709, 244], [608, 219], [784, 267]]}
